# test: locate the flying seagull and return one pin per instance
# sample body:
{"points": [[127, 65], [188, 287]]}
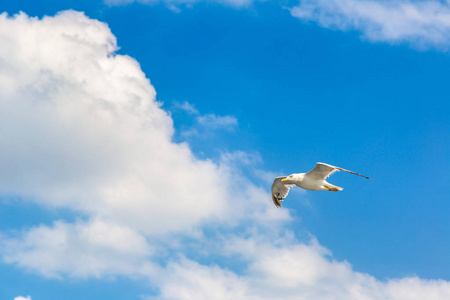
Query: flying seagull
{"points": [[314, 180]]}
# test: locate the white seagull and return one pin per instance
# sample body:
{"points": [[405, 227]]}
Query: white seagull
{"points": [[314, 180]]}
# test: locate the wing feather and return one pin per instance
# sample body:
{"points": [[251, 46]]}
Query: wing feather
{"points": [[340, 169], [321, 171], [279, 191]]}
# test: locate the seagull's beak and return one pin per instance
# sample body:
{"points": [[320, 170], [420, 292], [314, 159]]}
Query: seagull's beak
{"points": [[284, 179]]}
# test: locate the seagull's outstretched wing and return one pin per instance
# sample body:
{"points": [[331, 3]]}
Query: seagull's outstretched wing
{"points": [[279, 190], [322, 171]]}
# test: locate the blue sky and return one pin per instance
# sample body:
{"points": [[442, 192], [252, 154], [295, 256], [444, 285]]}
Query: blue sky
{"points": [[116, 187]]}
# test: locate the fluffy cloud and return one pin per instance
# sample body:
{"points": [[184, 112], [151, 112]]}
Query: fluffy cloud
{"points": [[80, 129], [187, 107], [210, 121], [83, 249], [213, 121], [22, 298], [419, 23], [422, 24], [289, 271]]}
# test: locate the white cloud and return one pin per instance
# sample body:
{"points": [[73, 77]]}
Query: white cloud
{"points": [[208, 121], [422, 24], [288, 271], [190, 280], [174, 4], [22, 298], [187, 107], [214, 122], [241, 158], [94, 248], [80, 129]]}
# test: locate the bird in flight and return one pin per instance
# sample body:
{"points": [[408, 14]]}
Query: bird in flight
{"points": [[314, 180]]}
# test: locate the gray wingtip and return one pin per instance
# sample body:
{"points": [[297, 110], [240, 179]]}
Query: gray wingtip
{"points": [[276, 201]]}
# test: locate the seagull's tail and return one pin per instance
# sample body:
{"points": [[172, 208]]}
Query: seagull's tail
{"points": [[332, 188]]}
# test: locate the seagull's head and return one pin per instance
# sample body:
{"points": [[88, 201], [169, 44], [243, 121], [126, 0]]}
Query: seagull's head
{"points": [[291, 179]]}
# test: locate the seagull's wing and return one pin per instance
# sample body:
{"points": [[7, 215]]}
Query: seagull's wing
{"points": [[322, 171], [279, 190]]}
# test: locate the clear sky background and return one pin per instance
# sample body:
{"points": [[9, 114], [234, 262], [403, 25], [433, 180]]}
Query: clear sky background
{"points": [[112, 191]]}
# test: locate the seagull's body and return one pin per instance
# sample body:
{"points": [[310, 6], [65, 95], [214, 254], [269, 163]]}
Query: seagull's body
{"points": [[314, 180]]}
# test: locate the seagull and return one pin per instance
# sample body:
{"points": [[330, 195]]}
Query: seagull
{"points": [[314, 180]]}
